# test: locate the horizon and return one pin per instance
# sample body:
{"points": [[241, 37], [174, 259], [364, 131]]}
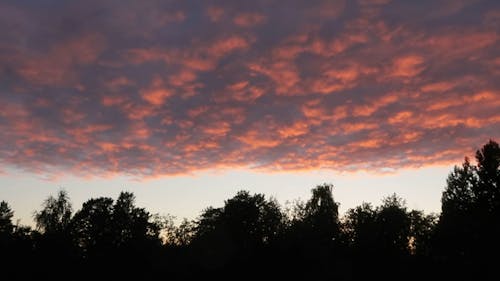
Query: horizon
{"points": [[187, 196]]}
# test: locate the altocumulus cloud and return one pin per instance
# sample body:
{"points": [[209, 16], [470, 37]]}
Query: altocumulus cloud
{"points": [[151, 88]]}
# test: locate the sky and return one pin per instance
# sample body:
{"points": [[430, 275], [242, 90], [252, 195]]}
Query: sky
{"points": [[185, 102]]}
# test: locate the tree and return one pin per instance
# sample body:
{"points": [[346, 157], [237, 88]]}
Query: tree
{"points": [[239, 234], [474, 189], [393, 226], [55, 215], [468, 229], [212, 245], [251, 219], [54, 244], [130, 223], [91, 226], [16, 247], [208, 222], [456, 227], [422, 228], [459, 195], [183, 234], [111, 235], [486, 216], [6, 227], [487, 190], [312, 238], [6, 214], [321, 213], [359, 228]]}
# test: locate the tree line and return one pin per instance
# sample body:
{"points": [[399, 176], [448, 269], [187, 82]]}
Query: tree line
{"points": [[254, 237]]}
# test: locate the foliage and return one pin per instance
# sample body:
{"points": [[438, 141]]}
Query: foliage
{"points": [[6, 215], [55, 215]]}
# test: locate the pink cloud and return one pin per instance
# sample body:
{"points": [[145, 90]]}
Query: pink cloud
{"points": [[156, 93]]}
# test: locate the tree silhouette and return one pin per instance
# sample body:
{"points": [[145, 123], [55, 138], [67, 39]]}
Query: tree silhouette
{"points": [[183, 235], [110, 235], [6, 227], [458, 208], [233, 236], [54, 246], [487, 190], [91, 227], [55, 215], [422, 231], [313, 234], [359, 229], [459, 196], [393, 226], [487, 210], [468, 228], [10, 248], [6, 214], [321, 213], [251, 219], [130, 223]]}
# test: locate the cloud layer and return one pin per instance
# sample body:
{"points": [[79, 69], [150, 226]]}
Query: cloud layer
{"points": [[151, 88]]}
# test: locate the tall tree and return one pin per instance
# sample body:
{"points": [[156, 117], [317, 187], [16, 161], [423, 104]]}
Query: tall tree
{"points": [[55, 245], [456, 227], [468, 228], [359, 228], [488, 189], [459, 196], [236, 235], [6, 214], [131, 223], [55, 215], [251, 219], [421, 232], [91, 226], [393, 226], [321, 213]]}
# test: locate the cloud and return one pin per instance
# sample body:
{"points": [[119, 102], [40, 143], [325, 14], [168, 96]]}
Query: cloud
{"points": [[167, 87], [249, 19]]}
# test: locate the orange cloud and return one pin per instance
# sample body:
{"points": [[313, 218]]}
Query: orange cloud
{"points": [[181, 78], [227, 45], [156, 94], [369, 109], [408, 66], [297, 129], [256, 140], [401, 116], [218, 129]]}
